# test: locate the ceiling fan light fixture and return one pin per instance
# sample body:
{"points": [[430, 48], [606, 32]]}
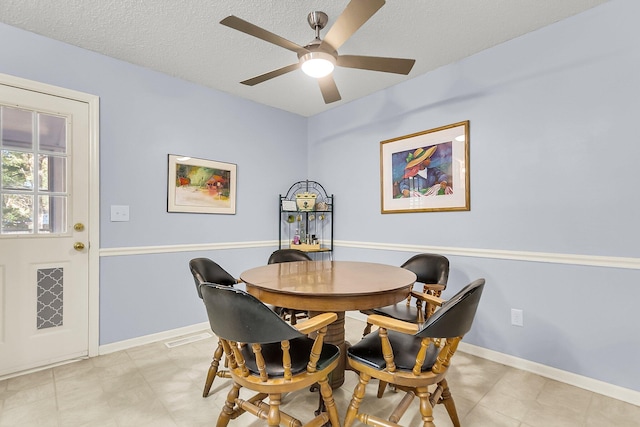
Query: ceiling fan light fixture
{"points": [[317, 64]]}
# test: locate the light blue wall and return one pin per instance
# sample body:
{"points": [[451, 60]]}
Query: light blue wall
{"points": [[553, 159], [144, 116], [553, 151]]}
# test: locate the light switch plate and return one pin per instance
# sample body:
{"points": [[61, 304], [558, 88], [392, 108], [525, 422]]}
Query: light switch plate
{"points": [[517, 317], [119, 213]]}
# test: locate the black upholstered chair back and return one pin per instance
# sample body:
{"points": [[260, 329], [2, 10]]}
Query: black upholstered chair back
{"points": [[455, 317], [205, 270], [429, 268], [237, 316], [288, 255]]}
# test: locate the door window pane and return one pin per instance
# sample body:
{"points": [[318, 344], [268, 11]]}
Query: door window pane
{"points": [[17, 214], [34, 166], [52, 173], [52, 133], [17, 170], [17, 128], [52, 214]]}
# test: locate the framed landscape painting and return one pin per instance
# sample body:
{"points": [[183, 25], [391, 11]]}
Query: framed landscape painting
{"points": [[426, 171], [201, 186]]}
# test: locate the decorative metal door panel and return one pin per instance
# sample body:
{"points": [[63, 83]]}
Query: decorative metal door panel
{"points": [[50, 282]]}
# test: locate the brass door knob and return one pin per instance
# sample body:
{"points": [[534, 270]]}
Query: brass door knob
{"points": [[78, 226], [78, 246]]}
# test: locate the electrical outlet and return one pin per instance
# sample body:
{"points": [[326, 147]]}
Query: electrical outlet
{"points": [[517, 317]]}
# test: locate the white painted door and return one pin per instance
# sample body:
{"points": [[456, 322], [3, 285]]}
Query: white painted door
{"points": [[44, 200]]}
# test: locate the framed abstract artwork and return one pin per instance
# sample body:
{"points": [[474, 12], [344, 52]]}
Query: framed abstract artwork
{"points": [[201, 186], [426, 171]]}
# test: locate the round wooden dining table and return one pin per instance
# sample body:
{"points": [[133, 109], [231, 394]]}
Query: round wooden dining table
{"points": [[329, 286]]}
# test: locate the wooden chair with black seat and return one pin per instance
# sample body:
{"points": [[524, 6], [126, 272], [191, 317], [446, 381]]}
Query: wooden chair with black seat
{"points": [[432, 270], [289, 255], [270, 356], [205, 270], [413, 357]]}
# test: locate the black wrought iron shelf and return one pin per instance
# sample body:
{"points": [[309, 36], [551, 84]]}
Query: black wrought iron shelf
{"points": [[306, 218]]}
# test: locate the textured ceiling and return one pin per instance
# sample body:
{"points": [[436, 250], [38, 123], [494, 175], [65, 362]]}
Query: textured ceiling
{"points": [[184, 38]]}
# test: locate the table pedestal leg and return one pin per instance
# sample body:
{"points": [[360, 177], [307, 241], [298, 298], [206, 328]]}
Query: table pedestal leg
{"points": [[335, 335]]}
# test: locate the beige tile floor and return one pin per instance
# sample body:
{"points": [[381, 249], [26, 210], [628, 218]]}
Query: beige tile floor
{"points": [[155, 386]]}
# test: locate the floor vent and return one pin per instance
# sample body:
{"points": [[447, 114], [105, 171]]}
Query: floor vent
{"points": [[188, 340]]}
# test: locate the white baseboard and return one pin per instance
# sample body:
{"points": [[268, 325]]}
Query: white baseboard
{"points": [[596, 386], [356, 315], [148, 339]]}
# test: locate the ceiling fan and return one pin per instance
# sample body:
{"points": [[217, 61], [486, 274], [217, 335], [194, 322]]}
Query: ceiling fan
{"points": [[319, 57]]}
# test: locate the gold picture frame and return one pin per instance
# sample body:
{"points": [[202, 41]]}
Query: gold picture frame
{"points": [[201, 186], [426, 171]]}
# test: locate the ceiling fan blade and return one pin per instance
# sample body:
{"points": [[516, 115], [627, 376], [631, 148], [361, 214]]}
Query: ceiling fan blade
{"points": [[271, 74], [376, 63], [329, 89], [353, 17], [255, 31]]}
